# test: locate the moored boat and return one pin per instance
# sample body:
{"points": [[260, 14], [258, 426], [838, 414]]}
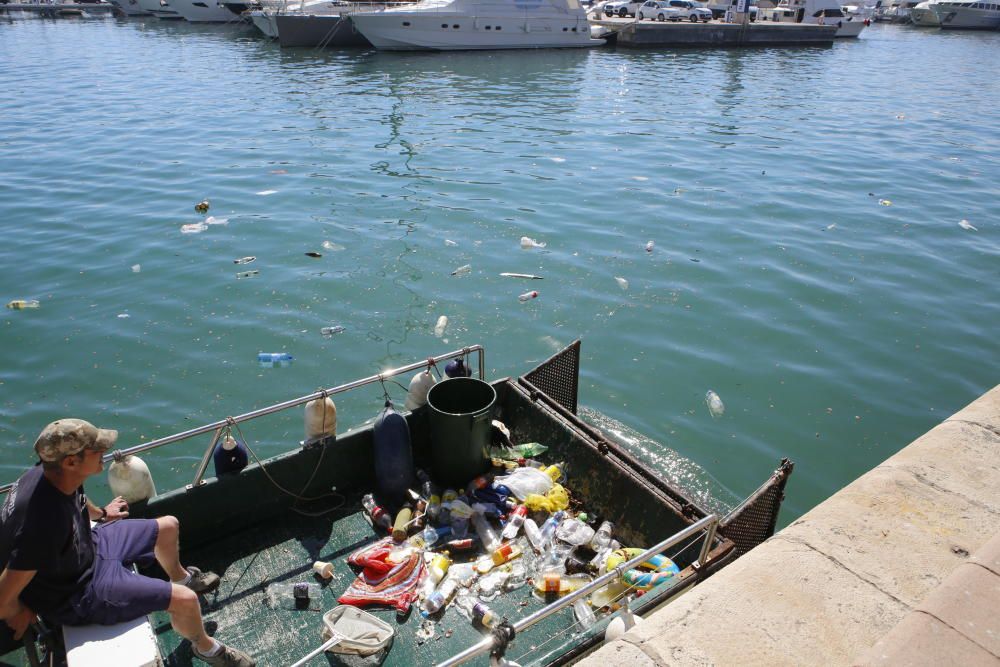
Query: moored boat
{"points": [[263, 527], [818, 12], [962, 15]]}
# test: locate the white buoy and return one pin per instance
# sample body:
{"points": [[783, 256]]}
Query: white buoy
{"points": [[621, 624], [419, 386], [130, 479], [321, 419]]}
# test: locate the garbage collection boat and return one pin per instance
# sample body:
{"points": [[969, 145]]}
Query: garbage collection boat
{"points": [[292, 528]]}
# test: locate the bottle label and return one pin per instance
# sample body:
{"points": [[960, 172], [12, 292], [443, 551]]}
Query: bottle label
{"points": [[552, 583]]}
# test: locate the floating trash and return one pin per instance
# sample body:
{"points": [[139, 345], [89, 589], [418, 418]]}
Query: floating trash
{"points": [[194, 228], [333, 330], [264, 193], [462, 270], [649, 246], [450, 243], [246, 274], [442, 324], [330, 245], [123, 316], [715, 405], [21, 304], [528, 296], [526, 276], [965, 224], [136, 268], [621, 282], [315, 255], [901, 116], [640, 178], [885, 202], [245, 260], [831, 226], [558, 159], [212, 220], [279, 171], [202, 206], [528, 243]]}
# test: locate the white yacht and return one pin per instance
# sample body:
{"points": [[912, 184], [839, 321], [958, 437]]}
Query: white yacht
{"points": [[129, 7], [203, 11], [161, 9], [969, 15], [265, 21], [924, 15], [444, 25], [819, 12]]}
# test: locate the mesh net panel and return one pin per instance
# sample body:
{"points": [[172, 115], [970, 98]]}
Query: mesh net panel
{"points": [[559, 376], [754, 521]]}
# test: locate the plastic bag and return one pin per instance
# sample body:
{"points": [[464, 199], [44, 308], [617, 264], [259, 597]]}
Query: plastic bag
{"points": [[525, 482], [556, 499]]}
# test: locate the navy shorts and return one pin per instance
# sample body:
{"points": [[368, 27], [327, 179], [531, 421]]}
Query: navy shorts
{"points": [[115, 593]]}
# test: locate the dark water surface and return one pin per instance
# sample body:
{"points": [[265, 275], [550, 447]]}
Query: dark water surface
{"points": [[834, 328]]}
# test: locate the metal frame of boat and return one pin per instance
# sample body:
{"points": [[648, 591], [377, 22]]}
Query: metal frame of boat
{"points": [[241, 526]]}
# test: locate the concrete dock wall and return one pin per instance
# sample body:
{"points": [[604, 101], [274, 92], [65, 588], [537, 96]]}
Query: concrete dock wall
{"points": [[632, 33], [833, 584]]}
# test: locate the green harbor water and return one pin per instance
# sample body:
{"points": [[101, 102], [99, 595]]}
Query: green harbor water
{"points": [[808, 263]]}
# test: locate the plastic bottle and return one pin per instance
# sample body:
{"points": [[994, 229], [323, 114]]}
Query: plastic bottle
{"points": [[274, 357], [502, 554], [244, 260], [430, 536], [575, 532], [230, 456], [21, 304], [447, 497], [557, 584], [515, 522], [456, 368], [481, 482], [247, 274], [487, 533], [440, 598], [649, 246], [402, 522], [460, 515], [441, 326], [484, 616], [462, 270], [332, 330], [584, 614], [528, 296], [716, 407], [549, 527], [378, 515], [553, 559], [534, 535], [602, 536]]}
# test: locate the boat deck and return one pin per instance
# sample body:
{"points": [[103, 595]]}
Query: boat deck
{"points": [[245, 612]]}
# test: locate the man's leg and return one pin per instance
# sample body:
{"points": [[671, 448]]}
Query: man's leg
{"points": [[167, 549], [185, 617]]}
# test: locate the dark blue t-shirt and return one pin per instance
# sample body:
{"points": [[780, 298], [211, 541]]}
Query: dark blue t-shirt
{"points": [[43, 529]]}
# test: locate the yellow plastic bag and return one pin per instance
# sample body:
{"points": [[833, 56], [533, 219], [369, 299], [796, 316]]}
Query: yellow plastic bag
{"points": [[556, 499]]}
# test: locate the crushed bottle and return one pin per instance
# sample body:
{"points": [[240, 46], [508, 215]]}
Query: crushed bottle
{"points": [[332, 330], [440, 326], [715, 405], [528, 296], [22, 304], [247, 274], [462, 270], [649, 246], [245, 260], [584, 614]]}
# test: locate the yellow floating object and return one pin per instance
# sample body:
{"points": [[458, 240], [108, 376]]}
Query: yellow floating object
{"points": [[660, 568]]}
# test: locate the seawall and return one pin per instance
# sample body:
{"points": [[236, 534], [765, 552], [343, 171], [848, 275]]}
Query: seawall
{"points": [[899, 567]]}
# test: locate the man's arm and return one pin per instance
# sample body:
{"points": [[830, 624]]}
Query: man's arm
{"points": [[12, 611], [116, 509]]}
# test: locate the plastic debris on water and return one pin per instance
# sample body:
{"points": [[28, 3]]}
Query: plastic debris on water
{"points": [[831, 226], [528, 296], [245, 260], [885, 202], [450, 243], [527, 276], [330, 331], [201, 206], [330, 245], [527, 243], [194, 228], [442, 324], [621, 282], [649, 246], [136, 268], [264, 193], [246, 274], [123, 316], [212, 220], [715, 405], [313, 254], [462, 270], [21, 304], [965, 224]]}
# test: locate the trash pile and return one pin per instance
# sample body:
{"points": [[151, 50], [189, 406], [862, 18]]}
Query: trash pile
{"points": [[510, 527]]}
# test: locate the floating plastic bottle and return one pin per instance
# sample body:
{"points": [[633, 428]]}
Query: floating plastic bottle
{"points": [[527, 243], [649, 246], [965, 224], [557, 584], [442, 324], [621, 282], [245, 260], [378, 515], [715, 405], [274, 357], [21, 304], [247, 274], [584, 614], [230, 456], [462, 270], [534, 535], [485, 530], [528, 296], [515, 522], [333, 330]]}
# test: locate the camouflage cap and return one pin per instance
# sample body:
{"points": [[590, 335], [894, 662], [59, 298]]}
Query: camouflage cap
{"points": [[66, 437]]}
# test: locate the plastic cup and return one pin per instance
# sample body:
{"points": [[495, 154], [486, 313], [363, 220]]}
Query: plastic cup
{"points": [[323, 569]]}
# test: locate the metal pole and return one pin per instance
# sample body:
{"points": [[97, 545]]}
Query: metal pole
{"points": [[486, 644], [278, 407], [205, 459], [707, 545]]}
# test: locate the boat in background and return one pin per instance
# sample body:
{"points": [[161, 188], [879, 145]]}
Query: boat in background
{"points": [[320, 24], [451, 25], [817, 12], [955, 14], [924, 15], [129, 7], [161, 9], [204, 11]]}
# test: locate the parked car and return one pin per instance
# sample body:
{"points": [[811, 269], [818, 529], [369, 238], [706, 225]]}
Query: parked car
{"points": [[692, 11], [659, 10], [622, 8]]}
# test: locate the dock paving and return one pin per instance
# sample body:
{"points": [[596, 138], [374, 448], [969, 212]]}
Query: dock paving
{"points": [[902, 566]]}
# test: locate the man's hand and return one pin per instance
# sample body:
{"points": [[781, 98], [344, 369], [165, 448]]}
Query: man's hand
{"points": [[116, 509], [20, 621]]}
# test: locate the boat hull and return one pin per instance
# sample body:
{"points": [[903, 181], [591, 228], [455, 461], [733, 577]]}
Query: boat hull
{"points": [[402, 31], [129, 7], [203, 11], [266, 22], [967, 18], [318, 30], [161, 9]]}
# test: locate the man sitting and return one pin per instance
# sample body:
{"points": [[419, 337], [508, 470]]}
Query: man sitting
{"points": [[56, 566]]}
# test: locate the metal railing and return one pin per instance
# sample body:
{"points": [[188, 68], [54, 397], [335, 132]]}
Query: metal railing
{"points": [[220, 426], [708, 524]]}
